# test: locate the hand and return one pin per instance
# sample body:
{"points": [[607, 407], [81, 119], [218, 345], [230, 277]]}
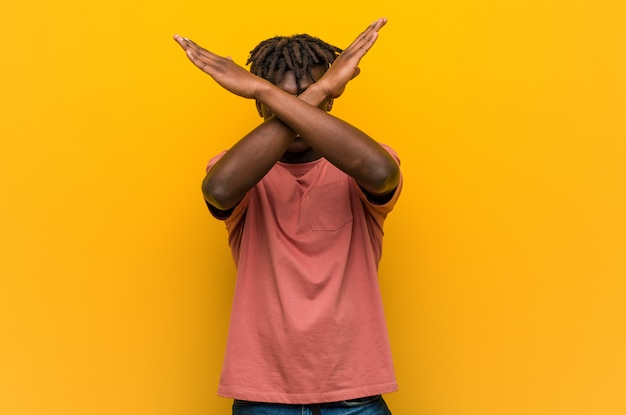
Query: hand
{"points": [[346, 66], [224, 71]]}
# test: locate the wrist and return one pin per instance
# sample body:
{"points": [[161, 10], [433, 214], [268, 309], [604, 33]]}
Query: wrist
{"points": [[315, 94], [263, 89]]}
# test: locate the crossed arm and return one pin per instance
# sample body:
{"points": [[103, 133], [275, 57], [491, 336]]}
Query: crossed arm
{"points": [[340, 143]]}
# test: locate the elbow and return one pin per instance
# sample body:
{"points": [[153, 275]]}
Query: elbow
{"points": [[385, 177], [216, 193]]}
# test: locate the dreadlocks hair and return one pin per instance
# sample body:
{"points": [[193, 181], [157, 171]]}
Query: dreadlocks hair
{"points": [[271, 58]]}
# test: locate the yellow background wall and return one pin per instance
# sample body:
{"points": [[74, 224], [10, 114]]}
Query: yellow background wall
{"points": [[503, 273]]}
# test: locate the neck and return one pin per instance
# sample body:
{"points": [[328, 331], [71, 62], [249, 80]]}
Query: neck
{"points": [[300, 156]]}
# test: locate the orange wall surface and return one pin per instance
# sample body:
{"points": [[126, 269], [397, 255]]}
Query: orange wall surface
{"points": [[504, 268]]}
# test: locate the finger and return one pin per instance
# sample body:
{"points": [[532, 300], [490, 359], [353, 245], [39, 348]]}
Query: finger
{"points": [[360, 46], [370, 35], [201, 56], [202, 63], [367, 34], [375, 26], [188, 44], [379, 23], [191, 43], [180, 41], [208, 62], [367, 43]]}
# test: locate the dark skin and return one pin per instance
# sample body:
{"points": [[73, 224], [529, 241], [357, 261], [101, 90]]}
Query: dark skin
{"points": [[297, 129]]}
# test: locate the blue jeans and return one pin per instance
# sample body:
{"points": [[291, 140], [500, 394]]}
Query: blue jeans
{"points": [[372, 405]]}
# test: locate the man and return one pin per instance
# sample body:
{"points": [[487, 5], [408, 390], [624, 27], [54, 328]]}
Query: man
{"points": [[304, 197]]}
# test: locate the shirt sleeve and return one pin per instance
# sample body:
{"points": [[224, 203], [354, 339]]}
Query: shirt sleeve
{"points": [[380, 211], [234, 215]]}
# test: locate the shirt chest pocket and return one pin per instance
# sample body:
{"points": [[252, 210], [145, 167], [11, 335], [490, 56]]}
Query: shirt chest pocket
{"points": [[328, 206]]}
